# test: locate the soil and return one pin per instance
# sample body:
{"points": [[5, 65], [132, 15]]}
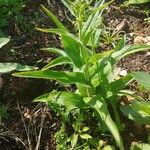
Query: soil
{"points": [[17, 94]]}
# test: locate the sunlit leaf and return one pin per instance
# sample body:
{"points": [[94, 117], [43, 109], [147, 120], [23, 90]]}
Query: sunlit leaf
{"points": [[138, 111], [4, 41], [101, 7], [73, 47], [138, 1], [56, 62], [99, 56], [70, 6], [63, 77], [67, 99], [85, 136], [129, 49], [55, 50], [74, 139], [85, 129], [101, 107], [140, 146], [53, 18], [114, 87], [8, 67], [143, 78]]}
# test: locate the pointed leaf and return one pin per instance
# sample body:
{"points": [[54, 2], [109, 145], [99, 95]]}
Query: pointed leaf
{"points": [[141, 146], [54, 18], [74, 139], [101, 107], [143, 78], [55, 50], [99, 56], [70, 6], [120, 44], [138, 1], [138, 112], [114, 87], [56, 62], [74, 48], [63, 77], [4, 41], [129, 49], [101, 7], [67, 99], [85, 136], [8, 67], [85, 129]]}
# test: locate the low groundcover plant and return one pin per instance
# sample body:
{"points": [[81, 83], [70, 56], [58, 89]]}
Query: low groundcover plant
{"points": [[95, 77]]}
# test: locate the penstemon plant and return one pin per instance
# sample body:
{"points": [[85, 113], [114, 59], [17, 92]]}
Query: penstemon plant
{"points": [[95, 75]]}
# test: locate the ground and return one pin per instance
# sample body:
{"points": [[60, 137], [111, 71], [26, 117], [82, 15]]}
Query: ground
{"points": [[25, 119]]}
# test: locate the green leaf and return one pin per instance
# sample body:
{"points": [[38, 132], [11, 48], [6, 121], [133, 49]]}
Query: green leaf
{"points": [[108, 147], [138, 1], [85, 129], [73, 47], [56, 62], [4, 41], [54, 18], [74, 139], [142, 105], [143, 78], [120, 44], [8, 67], [129, 49], [70, 6], [67, 99], [138, 111], [55, 50], [92, 27], [142, 146], [101, 7], [101, 70], [85, 136], [101, 107], [63, 77], [115, 87], [99, 56]]}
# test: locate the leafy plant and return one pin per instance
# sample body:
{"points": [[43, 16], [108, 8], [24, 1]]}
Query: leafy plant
{"points": [[95, 75], [9, 8]]}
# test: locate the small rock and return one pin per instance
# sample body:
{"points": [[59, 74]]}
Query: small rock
{"points": [[140, 40], [123, 73]]}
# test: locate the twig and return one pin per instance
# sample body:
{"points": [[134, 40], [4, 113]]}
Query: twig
{"points": [[27, 133], [41, 128], [12, 135]]}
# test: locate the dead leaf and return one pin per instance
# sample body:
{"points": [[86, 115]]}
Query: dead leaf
{"points": [[142, 40]]}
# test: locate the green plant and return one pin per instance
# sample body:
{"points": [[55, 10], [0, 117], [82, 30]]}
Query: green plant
{"points": [[3, 112], [138, 1], [110, 36], [95, 75], [9, 8], [142, 146]]}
